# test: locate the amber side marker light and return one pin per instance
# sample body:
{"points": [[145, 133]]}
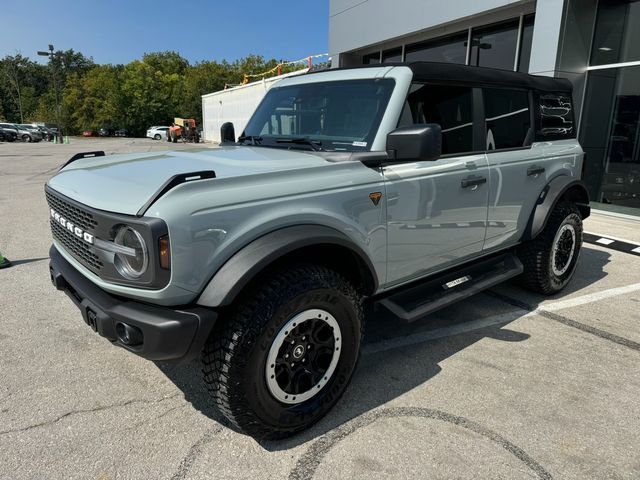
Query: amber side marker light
{"points": [[165, 252]]}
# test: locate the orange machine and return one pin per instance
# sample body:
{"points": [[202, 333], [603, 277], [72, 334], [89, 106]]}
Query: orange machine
{"points": [[183, 129]]}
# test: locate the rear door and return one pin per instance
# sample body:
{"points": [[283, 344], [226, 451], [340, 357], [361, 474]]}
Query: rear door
{"points": [[436, 210], [518, 168]]}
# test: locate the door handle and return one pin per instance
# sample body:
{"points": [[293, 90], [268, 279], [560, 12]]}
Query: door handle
{"points": [[535, 170], [472, 182]]}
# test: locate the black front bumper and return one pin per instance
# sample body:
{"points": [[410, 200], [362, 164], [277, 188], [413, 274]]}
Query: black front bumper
{"points": [[167, 334]]}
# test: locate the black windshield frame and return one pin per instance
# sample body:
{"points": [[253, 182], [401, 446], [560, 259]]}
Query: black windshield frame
{"points": [[339, 115]]}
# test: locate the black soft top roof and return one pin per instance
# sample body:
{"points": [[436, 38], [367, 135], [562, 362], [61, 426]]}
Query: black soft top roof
{"points": [[431, 71], [469, 75]]}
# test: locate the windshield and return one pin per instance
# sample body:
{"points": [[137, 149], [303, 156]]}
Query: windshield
{"points": [[334, 115]]}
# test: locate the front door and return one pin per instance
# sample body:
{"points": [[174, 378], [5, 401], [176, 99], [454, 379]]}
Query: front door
{"points": [[437, 210]]}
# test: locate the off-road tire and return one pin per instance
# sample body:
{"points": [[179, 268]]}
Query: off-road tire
{"points": [[536, 255], [235, 356]]}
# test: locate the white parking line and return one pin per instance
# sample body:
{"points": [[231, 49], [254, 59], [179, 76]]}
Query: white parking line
{"points": [[421, 337], [591, 297]]}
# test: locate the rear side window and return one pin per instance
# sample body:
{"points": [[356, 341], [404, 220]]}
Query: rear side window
{"points": [[508, 118], [554, 118], [448, 106]]}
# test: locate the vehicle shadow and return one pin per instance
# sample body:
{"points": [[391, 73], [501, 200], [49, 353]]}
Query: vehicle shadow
{"points": [[25, 261], [384, 374], [590, 269]]}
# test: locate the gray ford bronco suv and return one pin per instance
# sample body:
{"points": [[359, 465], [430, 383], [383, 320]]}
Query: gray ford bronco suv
{"points": [[412, 185]]}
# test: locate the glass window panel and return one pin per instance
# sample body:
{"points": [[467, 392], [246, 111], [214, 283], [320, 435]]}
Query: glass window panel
{"points": [[610, 134], [342, 115], [494, 46], [508, 118], [617, 36], [394, 55], [555, 116], [452, 49], [449, 107], [525, 43], [371, 59]]}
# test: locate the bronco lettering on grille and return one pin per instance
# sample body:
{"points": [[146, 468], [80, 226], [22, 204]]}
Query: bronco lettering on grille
{"points": [[75, 230]]}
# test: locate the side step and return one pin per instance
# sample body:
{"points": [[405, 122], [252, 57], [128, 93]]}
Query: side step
{"points": [[414, 302]]}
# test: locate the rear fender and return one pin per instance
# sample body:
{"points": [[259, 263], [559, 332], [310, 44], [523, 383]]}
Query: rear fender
{"points": [[562, 187]]}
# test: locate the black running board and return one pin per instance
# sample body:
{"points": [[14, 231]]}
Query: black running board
{"points": [[416, 301]]}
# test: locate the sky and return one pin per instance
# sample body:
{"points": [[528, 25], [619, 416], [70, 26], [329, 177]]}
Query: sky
{"points": [[118, 31]]}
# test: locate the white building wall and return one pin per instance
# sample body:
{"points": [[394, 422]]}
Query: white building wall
{"points": [[355, 24], [234, 105]]}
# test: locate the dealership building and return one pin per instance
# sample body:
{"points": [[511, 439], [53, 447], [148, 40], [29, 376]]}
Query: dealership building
{"points": [[595, 44]]}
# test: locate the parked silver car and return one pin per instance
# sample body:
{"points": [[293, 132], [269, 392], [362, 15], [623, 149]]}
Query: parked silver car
{"points": [[26, 133], [411, 186]]}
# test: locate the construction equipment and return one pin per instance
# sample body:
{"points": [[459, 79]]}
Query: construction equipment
{"points": [[183, 129]]}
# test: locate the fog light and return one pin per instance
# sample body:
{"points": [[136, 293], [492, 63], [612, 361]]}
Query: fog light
{"points": [[128, 334]]}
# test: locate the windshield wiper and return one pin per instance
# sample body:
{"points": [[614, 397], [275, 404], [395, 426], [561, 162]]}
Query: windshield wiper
{"points": [[316, 145], [255, 139]]}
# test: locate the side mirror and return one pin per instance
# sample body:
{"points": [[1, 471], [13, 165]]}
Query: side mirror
{"points": [[415, 142], [227, 133]]}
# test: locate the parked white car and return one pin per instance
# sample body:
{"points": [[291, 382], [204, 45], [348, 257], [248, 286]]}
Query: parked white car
{"points": [[157, 133]]}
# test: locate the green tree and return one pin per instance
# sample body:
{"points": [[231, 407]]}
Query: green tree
{"points": [[148, 96], [93, 101], [11, 70], [200, 79], [166, 62]]}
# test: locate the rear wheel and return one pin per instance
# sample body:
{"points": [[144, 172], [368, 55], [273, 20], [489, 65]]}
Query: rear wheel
{"points": [[550, 259], [287, 352], [26, 138]]}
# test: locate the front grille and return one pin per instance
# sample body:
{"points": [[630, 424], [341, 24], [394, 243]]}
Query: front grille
{"points": [[74, 245], [79, 217]]}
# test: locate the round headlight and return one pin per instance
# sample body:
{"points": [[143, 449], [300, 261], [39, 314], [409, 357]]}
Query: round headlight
{"points": [[131, 266]]}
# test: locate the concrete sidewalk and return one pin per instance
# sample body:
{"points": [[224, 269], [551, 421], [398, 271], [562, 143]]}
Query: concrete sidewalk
{"points": [[605, 224]]}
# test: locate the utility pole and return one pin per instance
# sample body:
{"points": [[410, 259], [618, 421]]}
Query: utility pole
{"points": [[52, 64]]}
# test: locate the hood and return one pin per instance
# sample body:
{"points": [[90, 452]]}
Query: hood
{"points": [[124, 183]]}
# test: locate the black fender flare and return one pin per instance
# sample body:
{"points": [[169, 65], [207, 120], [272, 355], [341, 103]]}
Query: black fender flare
{"points": [[559, 187], [250, 260]]}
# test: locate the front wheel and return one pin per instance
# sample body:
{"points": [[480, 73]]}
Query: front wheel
{"points": [[286, 354], [550, 259], [26, 138], [157, 136]]}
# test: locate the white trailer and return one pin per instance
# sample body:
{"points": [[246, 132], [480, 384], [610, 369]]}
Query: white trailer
{"points": [[235, 105]]}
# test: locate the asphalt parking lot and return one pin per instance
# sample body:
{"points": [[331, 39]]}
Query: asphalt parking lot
{"points": [[505, 385]]}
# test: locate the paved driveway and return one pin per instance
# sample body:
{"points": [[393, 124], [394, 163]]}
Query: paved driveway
{"points": [[503, 385]]}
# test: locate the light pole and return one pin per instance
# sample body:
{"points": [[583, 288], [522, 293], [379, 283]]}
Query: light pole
{"points": [[51, 56]]}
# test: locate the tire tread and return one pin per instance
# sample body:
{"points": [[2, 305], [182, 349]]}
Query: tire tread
{"points": [[223, 357]]}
